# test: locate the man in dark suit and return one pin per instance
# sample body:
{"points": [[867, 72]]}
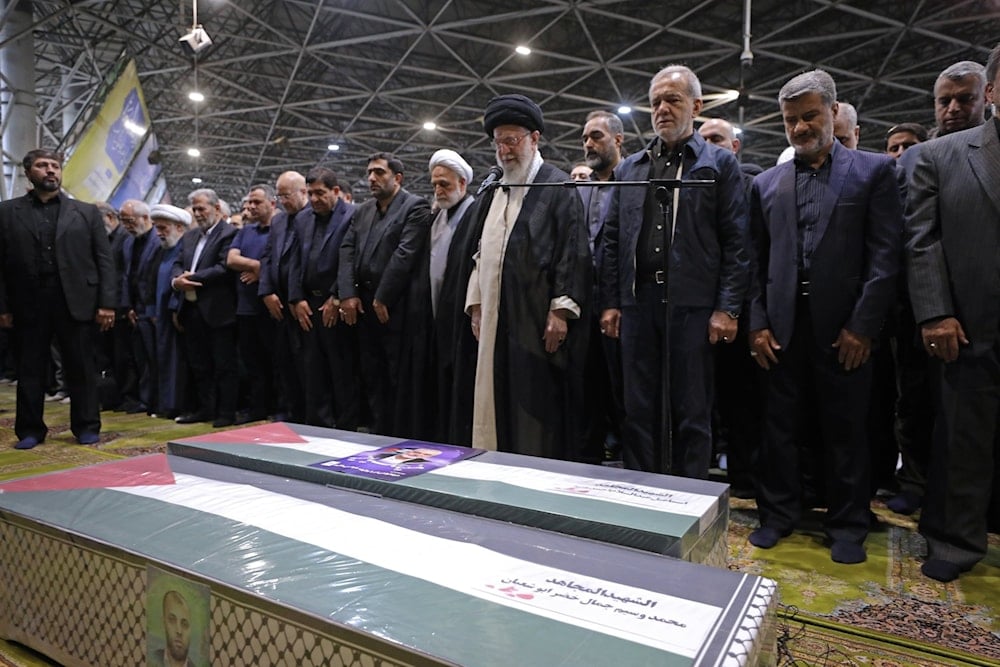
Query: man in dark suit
{"points": [[330, 353], [383, 289], [674, 276], [282, 244], [953, 269], [826, 227], [57, 277], [602, 137], [112, 357], [207, 311]]}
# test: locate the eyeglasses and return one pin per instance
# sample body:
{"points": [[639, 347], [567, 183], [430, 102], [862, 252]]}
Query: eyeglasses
{"points": [[508, 142], [127, 221]]}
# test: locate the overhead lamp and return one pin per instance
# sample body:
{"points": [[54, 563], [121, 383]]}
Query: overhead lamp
{"points": [[194, 152], [523, 50], [333, 147], [624, 109], [196, 180], [196, 96], [430, 125]]}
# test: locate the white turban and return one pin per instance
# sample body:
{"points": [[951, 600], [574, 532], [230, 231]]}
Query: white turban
{"points": [[170, 213], [451, 160]]}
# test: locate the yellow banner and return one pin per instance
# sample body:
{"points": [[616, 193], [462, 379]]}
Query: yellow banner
{"points": [[107, 147]]}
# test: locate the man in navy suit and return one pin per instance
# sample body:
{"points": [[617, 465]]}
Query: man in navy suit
{"points": [[207, 312], [953, 270], [384, 288], [57, 277], [826, 228], [674, 275], [282, 244], [330, 352]]}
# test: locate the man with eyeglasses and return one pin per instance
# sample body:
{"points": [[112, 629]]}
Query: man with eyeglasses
{"points": [[528, 295], [141, 258], [281, 246], [674, 276]]}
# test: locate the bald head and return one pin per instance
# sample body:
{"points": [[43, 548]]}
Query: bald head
{"points": [[721, 133], [291, 191], [845, 125]]}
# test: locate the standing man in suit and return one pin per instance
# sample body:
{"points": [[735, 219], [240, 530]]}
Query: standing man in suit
{"points": [[953, 269], [57, 278], [826, 227], [602, 139], [207, 312], [330, 352], [385, 290], [282, 244], [674, 276]]}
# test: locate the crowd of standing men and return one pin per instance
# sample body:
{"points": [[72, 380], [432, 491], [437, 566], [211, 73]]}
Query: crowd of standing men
{"points": [[676, 302]]}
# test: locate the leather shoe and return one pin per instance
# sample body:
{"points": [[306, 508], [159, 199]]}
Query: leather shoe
{"points": [[247, 417], [192, 418], [766, 537], [88, 438], [27, 443], [849, 553], [221, 422]]}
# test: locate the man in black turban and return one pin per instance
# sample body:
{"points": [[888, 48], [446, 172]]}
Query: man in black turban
{"points": [[527, 290]]}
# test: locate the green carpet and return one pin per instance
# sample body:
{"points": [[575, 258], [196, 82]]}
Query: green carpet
{"points": [[880, 613]]}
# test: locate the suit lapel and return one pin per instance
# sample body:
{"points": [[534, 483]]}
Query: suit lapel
{"points": [[65, 216], [22, 214], [841, 161], [787, 214], [380, 225], [984, 158]]}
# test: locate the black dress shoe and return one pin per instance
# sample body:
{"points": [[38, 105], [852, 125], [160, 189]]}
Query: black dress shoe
{"points": [[193, 418], [247, 417], [221, 422]]}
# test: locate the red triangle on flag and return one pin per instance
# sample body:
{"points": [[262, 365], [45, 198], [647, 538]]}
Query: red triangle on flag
{"points": [[138, 471], [275, 433]]}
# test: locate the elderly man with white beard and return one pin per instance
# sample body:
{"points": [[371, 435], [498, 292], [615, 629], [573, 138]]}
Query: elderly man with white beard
{"points": [[170, 224], [528, 295], [450, 264]]}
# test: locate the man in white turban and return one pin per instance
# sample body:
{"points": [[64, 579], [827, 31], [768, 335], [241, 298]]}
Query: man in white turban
{"points": [[450, 265]]}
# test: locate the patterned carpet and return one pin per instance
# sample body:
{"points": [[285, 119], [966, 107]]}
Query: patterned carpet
{"points": [[882, 613]]}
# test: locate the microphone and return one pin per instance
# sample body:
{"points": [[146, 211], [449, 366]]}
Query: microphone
{"points": [[491, 181]]}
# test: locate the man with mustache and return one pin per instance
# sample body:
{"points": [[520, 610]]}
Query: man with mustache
{"points": [[826, 228], [530, 285]]}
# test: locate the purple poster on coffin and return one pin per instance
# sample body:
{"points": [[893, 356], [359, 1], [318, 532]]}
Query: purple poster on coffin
{"points": [[399, 461]]}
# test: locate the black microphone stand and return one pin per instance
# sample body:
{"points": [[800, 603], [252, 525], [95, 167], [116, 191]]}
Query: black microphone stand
{"points": [[663, 189]]}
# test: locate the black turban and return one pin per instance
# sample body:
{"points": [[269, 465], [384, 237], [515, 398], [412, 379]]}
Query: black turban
{"points": [[512, 110]]}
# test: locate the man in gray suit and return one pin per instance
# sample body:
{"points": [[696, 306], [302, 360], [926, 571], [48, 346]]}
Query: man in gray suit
{"points": [[57, 277], [953, 268]]}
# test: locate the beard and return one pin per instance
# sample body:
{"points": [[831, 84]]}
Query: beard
{"points": [[515, 171], [452, 198], [597, 161]]}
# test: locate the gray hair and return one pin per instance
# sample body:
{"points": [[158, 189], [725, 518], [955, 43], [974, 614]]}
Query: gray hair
{"points": [[992, 65], [693, 84], [139, 207], [963, 69], [817, 81], [207, 193], [849, 112], [613, 122]]}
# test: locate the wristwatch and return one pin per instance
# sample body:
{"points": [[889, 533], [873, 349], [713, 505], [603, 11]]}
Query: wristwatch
{"points": [[733, 315]]}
